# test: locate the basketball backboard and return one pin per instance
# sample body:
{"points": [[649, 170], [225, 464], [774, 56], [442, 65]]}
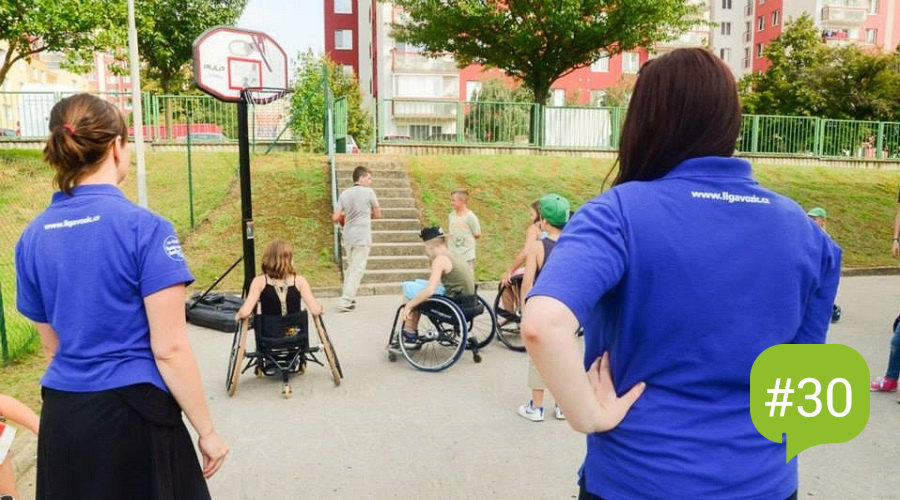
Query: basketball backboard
{"points": [[227, 60]]}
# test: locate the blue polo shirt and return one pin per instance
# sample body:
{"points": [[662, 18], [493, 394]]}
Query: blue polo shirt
{"points": [[84, 266], [685, 280]]}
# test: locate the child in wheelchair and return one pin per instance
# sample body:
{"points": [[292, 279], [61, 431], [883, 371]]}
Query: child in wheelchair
{"points": [[280, 323], [450, 275]]}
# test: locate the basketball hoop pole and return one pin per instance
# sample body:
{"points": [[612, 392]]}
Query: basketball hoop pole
{"points": [[246, 203]]}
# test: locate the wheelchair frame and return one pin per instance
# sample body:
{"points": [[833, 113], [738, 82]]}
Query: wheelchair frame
{"points": [[447, 335], [296, 362], [509, 333]]}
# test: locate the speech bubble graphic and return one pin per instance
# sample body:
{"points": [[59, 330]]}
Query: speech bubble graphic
{"points": [[815, 394]]}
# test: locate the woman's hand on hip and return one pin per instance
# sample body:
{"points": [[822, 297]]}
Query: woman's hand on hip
{"points": [[613, 408]]}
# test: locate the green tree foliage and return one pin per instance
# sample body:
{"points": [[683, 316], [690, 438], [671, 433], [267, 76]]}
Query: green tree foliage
{"points": [[166, 33], [809, 78], [498, 113], [619, 95], [77, 28], [308, 103], [539, 41]]}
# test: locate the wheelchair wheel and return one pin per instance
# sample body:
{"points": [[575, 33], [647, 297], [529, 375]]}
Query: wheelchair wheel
{"points": [[238, 345], [442, 335], [336, 373], [483, 327], [508, 319]]}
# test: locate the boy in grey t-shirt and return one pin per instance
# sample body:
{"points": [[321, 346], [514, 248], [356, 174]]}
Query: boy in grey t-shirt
{"points": [[355, 209], [464, 227]]}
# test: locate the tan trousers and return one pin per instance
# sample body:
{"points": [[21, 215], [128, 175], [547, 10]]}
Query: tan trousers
{"points": [[356, 266]]}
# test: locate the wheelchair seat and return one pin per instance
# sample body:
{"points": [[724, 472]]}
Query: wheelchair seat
{"points": [[470, 305], [277, 332]]}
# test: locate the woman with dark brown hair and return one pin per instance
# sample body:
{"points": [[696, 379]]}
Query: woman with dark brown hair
{"points": [[681, 274], [103, 280]]}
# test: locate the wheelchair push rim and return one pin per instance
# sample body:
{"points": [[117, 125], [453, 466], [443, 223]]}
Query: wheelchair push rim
{"points": [[236, 359], [508, 333], [330, 355], [443, 333]]}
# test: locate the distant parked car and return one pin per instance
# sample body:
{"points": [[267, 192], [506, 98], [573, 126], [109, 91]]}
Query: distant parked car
{"points": [[8, 133], [352, 148], [208, 137], [397, 137]]}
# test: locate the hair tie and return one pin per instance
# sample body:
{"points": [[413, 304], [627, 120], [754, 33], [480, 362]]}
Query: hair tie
{"points": [[70, 128]]}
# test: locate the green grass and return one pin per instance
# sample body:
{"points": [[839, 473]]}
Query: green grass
{"points": [[861, 203]]}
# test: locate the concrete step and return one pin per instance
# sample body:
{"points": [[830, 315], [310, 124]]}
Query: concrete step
{"points": [[392, 192], [397, 249], [393, 275], [399, 212], [396, 225], [381, 289], [396, 237], [381, 262], [394, 202], [390, 182], [377, 174]]}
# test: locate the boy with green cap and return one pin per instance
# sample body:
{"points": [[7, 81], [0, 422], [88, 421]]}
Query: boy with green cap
{"points": [[820, 217], [554, 213]]}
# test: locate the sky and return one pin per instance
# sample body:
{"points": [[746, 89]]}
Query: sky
{"points": [[295, 24]]}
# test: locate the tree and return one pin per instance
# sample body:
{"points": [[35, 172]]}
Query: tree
{"points": [[619, 95], [166, 33], [34, 26], [539, 41], [308, 102]]}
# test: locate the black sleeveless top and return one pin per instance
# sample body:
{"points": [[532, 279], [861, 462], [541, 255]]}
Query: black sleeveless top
{"points": [[548, 247], [270, 303]]}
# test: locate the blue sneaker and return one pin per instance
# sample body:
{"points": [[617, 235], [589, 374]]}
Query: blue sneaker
{"points": [[410, 339]]}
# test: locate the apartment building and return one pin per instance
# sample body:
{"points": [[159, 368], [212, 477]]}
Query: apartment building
{"points": [[869, 23], [421, 94]]}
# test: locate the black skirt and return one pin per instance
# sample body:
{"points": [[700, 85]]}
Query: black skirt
{"points": [[128, 442]]}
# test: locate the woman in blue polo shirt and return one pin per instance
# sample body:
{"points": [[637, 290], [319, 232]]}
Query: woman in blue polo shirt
{"points": [[103, 281], [683, 272]]}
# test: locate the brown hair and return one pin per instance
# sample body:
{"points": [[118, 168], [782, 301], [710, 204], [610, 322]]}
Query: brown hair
{"points": [[82, 130], [536, 206], [278, 259], [685, 105], [461, 193], [359, 172]]}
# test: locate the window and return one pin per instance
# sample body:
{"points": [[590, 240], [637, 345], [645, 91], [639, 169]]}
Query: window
{"points": [[343, 6], [347, 69], [419, 132], [873, 6], [759, 50], [775, 19], [597, 97], [746, 57], [426, 86], [601, 65], [725, 28], [871, 36], [725, 54], [343, 39], [472, 87], [559, 97], [408, 47], [726, 4], [761, 23], [631, 62]]}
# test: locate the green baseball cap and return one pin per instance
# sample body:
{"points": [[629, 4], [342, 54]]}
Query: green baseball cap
{"points": [[818, 212], [554, 209]]}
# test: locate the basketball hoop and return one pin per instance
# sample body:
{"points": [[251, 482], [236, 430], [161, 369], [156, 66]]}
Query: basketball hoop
{"points": [[263, 95]]}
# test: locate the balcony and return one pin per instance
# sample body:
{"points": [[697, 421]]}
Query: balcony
{"points": [[689, 39], [424, 110], [414, 62], [748, 37], [748, 10], [840, 16]]}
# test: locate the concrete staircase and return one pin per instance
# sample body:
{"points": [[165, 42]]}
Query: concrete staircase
{"points": [[397, 253]]}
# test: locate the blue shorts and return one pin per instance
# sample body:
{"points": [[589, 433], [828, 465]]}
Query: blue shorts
{"points": [[412, 288]]}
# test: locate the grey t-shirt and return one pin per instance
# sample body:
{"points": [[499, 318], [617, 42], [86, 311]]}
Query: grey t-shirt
{"points": [[462, 234], [357, 203]]}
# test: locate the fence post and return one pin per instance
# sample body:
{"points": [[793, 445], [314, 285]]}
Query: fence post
{"points": [[4, 347], [820, 137], [460, 122], [615, 127], [754, 135], [879, 141]]}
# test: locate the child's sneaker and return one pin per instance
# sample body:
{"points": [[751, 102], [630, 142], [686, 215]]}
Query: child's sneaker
{"points": [[884, 384], [410, 339], [531, 413], [557, 412]]}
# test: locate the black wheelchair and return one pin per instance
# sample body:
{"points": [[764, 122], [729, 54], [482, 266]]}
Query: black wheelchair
{"points": [[282, 348], [447, 326], [508, 310]]}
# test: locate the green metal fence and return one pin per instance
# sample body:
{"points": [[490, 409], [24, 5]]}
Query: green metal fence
{"points": [[593, 128]]}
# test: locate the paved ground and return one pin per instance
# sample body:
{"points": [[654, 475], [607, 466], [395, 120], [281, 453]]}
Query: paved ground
{"points": [[390, 431]]}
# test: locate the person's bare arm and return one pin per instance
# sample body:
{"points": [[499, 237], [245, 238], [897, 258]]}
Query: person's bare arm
{"points": [[588, 399], [336, 216], [306, 293], [439, 266], [13, 409], [533, 256], [178, 367], [256, 288], [895, 247], [531, 234], [49, 340]]}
